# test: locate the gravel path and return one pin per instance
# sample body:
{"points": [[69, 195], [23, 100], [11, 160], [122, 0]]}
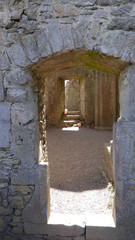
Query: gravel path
{"points": [[75, 158]]}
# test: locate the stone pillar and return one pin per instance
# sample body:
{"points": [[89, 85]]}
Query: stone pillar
{"points": [[124, 152], [105, 100]]}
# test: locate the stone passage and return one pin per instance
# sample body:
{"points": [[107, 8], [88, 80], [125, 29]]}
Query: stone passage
{"points": [[76, 180]]}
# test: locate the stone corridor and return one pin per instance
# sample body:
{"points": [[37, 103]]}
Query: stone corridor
{"points": [[77, 183]]}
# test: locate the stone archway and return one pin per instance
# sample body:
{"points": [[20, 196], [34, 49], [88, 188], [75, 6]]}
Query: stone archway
{"points": [[32, 33]]}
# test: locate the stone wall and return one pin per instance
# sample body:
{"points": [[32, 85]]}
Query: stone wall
{"points": [[36, 38]]}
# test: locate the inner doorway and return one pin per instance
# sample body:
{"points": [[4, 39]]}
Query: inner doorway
{"points": [[76, 155]]}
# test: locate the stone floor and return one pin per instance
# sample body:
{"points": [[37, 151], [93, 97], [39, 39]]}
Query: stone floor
{"points": [[75, 158]]}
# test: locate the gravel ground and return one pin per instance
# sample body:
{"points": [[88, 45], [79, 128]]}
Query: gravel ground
{"points": [[75, 158]]}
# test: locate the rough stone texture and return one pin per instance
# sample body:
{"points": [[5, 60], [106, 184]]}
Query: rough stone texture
{"points": [[31, 30], [18, 56], [1, 88], [124, 162], [5, 124], [127, 96]]}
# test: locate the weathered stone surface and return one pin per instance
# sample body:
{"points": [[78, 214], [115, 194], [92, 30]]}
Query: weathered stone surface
{"points": [[37, 209], [124, 162], [124, 23], [18, 56], [17, 230], [17, 11], [16, 95], [119, 44], [67, 38], [6, 211], [65, 11], [4, 124], [17, 202], [31, 48], [55, 38], [85, 3], [2, 224], [79, 32], [1, 88], [127, 96], [4, 62], [43, 43], [17, 76]]}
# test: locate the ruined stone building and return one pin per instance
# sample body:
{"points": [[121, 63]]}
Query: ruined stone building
{"points": [[43, 43]]}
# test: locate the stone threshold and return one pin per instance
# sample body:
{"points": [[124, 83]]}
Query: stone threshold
{"points": [[92, 227]]}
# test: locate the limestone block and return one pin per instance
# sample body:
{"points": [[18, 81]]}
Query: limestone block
{"points": [[55, 38], [124, 165], [6, 211], [31, 48], [122, 11], [67, 38], [17, 10], [16, 95], [17, 230], [117, 44], [1, 88], [17, 202], [17, 76], [4, 62], [127, 96], [43, 43], [2, 224], [25, 133], [111, 2], [37, 210], [79, 32], [18, 56], [80, 3], [4, 125], [104, 14], [124, 23], [22, 113], [66, 10]]}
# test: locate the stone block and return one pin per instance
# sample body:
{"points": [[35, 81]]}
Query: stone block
{"points": [[53, 230], [85, 3], [79, 32], [24, 135], [2, 224], [1, 88], [127, 96], [16, 95], [4, 62], [100, 227], [17, 76], [55, 37], [67, 38], [66, 10], [117, 44], [124, 165], [17, 202], [30, 47], [123, 23], [44, 48], [6, 211], [37, 210], [4, 125], [18, 56]]}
